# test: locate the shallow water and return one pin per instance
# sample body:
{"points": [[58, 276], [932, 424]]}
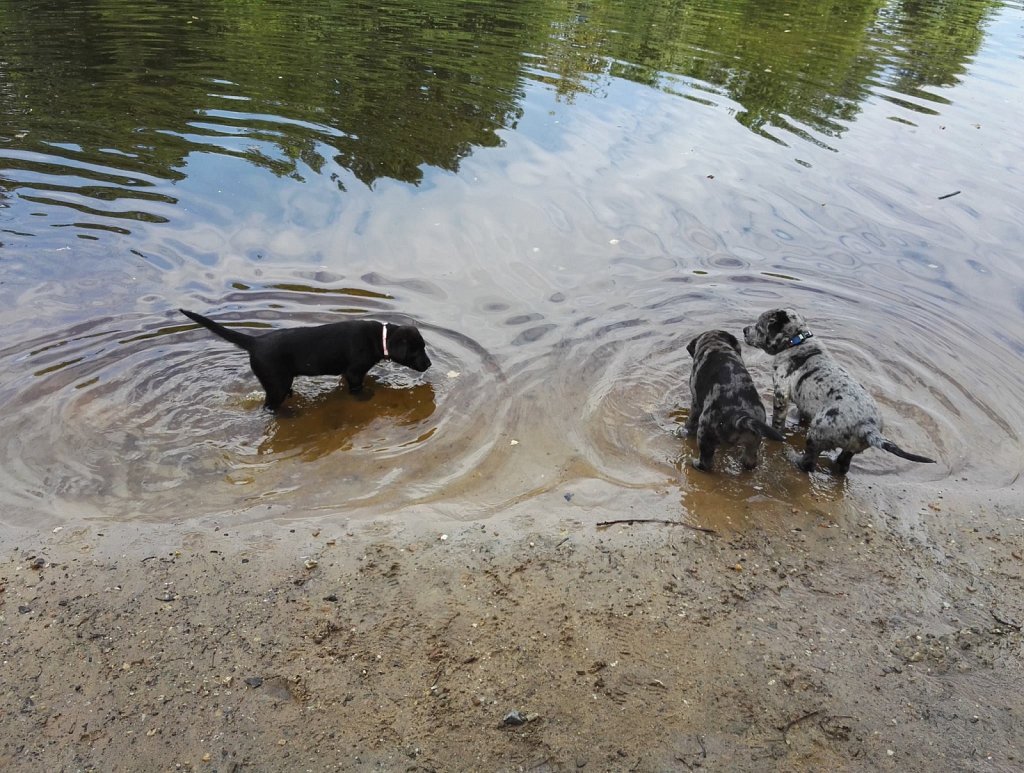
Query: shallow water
{"points": [[560, 199]]}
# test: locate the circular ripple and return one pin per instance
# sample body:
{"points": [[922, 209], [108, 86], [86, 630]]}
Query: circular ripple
{"points": [[625, 373], [137, 417]]}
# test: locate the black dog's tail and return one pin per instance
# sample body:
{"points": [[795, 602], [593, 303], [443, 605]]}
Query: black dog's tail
{"points": [[876, 439], [243, 340], [747, 423]]}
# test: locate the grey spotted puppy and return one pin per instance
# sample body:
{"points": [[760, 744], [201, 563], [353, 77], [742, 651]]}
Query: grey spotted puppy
{"points": [[725, 407], [838, 410]]}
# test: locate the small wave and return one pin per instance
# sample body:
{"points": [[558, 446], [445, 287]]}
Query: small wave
{"points": [[147, 417]]}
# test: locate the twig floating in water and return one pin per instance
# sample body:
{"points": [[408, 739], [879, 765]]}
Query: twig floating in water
{"points": [[949, 195], [602, 524]]}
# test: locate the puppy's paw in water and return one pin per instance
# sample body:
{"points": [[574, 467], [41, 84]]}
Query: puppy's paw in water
{"points": [[699, 465], [798, 459], [681, 432]]}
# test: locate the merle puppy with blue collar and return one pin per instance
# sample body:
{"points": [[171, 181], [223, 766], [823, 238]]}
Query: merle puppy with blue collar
{"points": [[725, 408], [838, 410], [348, 348]]}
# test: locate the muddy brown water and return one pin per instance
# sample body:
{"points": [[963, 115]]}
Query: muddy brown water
{"points": [[557, 257]]}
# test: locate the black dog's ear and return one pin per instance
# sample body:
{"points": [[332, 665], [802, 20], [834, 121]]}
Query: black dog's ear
{"points": [[731, 340], [692, 347], [398, 343]]}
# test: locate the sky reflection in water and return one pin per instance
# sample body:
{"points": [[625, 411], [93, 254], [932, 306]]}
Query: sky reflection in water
{"points": [[561, 197]]}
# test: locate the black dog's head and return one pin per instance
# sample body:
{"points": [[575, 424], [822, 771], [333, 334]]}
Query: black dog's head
{"points": [[776, 330], [712, 339], [406, 347]]}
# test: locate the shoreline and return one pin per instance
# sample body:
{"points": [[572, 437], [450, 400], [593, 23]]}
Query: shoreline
{"points": [[829, 640]]}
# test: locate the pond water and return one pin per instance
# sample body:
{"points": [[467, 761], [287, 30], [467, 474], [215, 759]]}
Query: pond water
{"points": [[561, 195]]}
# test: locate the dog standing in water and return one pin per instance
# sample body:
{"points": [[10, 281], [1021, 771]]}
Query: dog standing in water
{"points": [[725, 407], [839, 411], [348, 348]]}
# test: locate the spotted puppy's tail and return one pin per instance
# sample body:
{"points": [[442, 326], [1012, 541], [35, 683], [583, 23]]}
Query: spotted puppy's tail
{"points": [[876, 439], [242, 340], [747, 423]]}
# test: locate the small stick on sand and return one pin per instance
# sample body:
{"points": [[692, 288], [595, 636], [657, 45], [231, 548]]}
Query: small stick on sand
{"points": [[789, 725], [602, 524]]}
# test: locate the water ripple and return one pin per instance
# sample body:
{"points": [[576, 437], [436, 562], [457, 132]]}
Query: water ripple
{"points": [[115, 414]]}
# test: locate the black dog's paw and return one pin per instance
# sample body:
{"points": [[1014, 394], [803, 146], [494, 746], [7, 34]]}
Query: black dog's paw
{"points": [[283, 410], [699, 465], [363, 395], [681, 432]]}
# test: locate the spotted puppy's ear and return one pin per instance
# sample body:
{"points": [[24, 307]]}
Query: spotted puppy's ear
{"points": [[777, 323], [775, 326], [692, 347]]}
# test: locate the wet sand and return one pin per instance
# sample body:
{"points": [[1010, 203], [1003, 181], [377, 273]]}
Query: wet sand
{"points": [[845, 637]]}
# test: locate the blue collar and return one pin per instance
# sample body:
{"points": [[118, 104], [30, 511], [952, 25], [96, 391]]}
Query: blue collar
{"points": [[799, 338]]}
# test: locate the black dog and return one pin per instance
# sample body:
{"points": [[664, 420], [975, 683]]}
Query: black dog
{"points": [[725, 405], [348, 349], [839, 412]]}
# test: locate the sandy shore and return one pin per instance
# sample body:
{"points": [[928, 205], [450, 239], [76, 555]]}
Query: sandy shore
{"points": [[841, 640]]}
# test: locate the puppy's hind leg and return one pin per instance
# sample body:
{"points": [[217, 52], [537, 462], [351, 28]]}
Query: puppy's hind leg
{"points": [[810, 456], [706, 445], [276, 386], [841, 465], [750, 452], [780, 405], [276, 394], [689, 429]]}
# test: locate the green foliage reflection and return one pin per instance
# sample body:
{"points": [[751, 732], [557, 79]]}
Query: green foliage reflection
{"points": [[383, 88]]}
